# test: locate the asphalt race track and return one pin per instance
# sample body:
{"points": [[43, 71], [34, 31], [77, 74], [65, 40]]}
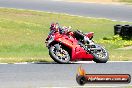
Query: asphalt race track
{"points": [[56, 75], [114, 12], [63, 75]]}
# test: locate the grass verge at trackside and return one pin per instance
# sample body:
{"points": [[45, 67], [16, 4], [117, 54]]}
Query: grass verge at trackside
{"points": [[23, 32], [127, 1]]}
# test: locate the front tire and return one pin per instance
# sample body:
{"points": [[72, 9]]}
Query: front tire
{"points": [[59, 54], [100, 56]]}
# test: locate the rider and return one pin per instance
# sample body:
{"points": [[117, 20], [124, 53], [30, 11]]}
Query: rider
{"points": [[55, 27]]}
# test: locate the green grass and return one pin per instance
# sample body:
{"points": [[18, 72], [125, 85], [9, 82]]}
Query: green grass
{"points": [[128, 1], [23, 33]]}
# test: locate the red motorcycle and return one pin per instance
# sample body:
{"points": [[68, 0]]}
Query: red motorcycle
{"points": [[68, 47]]}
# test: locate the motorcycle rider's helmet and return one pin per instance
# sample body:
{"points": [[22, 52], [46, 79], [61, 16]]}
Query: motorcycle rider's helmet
{"points": [[54, 26]]}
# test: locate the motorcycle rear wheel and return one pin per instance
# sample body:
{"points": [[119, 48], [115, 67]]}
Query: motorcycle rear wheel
{"points": [[59, 55], [101, 56]]}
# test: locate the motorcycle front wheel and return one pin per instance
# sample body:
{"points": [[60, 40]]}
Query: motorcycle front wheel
{"points": [[59, 54], [100, 56]]}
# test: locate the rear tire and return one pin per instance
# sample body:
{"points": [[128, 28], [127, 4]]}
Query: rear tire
{"points": [[101, 56]]}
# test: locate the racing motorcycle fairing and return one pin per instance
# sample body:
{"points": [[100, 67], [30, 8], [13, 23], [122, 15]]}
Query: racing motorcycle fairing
{"points": [[77, 52]]}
